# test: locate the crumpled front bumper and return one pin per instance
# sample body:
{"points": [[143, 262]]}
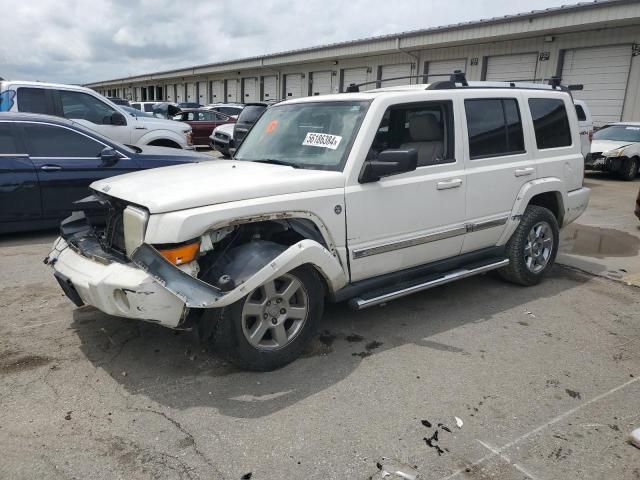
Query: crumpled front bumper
{"points": [[116, 288]]}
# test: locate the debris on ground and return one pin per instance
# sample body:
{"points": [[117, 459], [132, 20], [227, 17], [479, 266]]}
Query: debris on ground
{"points": [[246, 476], [459, 422], [527, 312], [124, 374], [68, 415], [444, 427], [634, 438], [392, 469], [426, 423], [432, 441]]}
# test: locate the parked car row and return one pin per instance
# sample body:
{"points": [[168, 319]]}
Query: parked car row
{"points": [[47, 163]]}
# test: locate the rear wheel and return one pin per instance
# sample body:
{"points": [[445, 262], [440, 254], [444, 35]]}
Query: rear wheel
{"points": [[532, 248], [629, 169], [271, 326]]}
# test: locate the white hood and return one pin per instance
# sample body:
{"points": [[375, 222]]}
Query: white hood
{"points": [[195, 185], [599, 146]]}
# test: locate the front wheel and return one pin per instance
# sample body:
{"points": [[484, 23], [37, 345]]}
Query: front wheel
{"points": [[532, 248], [629, 169], [272, 325]]}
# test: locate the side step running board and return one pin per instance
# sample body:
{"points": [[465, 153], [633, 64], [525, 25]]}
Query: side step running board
{"points": [[360, 303]]}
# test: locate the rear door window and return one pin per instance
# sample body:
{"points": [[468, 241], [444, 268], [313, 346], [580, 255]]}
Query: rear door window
{"points": [[494, 127], [35, 100], [550, 123], [7, 141], [60, 142]]}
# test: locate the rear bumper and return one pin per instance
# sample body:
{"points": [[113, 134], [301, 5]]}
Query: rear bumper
{"points": [[114, 288], [577, 202]]}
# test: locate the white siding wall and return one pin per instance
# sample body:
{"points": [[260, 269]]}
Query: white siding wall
{"points": [[321, 83], [603, 72], [217, 91], [521, 66], [251, 92], [270, 87]]}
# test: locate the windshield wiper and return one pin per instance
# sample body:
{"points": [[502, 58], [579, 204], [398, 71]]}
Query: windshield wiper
{"points": [[277, 162]]}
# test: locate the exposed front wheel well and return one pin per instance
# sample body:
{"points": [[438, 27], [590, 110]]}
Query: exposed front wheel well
{"points": [[164, 142], [551, 201]]}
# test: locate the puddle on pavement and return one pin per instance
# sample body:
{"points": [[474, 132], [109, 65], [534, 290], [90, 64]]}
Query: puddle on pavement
{"points": [[598, 242]]}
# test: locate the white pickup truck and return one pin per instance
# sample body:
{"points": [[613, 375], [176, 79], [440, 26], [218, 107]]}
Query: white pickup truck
{"points": [[358, 197], [94, 111]]}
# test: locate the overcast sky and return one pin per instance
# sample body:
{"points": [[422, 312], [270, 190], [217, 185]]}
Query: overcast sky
{"points": [[79, 41]]}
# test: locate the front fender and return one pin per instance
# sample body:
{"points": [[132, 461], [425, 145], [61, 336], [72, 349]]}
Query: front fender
{"points": [[198, 294], [527, 192]]}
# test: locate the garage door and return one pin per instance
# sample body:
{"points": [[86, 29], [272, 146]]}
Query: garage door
{"points": [[250, 89], [216, 91], [393, 71], [191, 92], [356, 76], [321, 83], [202, 93], [293, 85], [270, 87], [170, 92], [440, 70], [603, 72], [232, 90], [180, 92], [505, 68]]}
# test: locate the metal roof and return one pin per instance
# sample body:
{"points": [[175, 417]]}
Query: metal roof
{"points": [[400, 35]]}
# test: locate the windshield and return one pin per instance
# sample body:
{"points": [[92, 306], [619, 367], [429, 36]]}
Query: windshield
{"points": [[306, 135], [622, 133]]}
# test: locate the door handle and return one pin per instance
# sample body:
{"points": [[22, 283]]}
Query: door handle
{"points": [[447, 184], [523, 172], [50, 168]]}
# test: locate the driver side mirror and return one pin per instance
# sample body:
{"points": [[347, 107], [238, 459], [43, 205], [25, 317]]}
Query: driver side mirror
{"points": [[389, 162], [109, 157], [117, 119]]}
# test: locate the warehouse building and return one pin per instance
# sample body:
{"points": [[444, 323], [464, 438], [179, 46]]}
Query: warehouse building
{"points": [[595, 44]]}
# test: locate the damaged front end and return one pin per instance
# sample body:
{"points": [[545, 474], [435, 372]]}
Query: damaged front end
{"points": [[102, 260]]}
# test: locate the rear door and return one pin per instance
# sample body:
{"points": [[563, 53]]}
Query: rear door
{"points": [[203, 126], [498, 163], [19, 189], [66, 162]]}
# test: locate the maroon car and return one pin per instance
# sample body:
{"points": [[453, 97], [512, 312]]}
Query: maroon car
{"points": [[202, 123]]}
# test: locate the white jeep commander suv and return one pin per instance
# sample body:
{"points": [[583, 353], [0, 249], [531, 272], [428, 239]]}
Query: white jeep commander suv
{"points": [[359, 197]]}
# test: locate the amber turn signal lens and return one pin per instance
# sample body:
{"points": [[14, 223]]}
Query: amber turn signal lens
{"points": [[181, 254]]}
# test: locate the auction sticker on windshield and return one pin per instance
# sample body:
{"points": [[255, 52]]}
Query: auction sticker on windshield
{"points": [[324, 140]]}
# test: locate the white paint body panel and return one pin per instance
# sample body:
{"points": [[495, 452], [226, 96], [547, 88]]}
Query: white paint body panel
{"points": [[214, 182]]}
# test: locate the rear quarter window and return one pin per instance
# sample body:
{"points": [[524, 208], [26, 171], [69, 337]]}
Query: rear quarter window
{"points": [[34, 100], [582, 117], [550, 122]]}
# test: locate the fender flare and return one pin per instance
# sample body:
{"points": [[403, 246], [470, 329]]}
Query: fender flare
{"points": [[526, 193], [196, 293], [162, 134]]}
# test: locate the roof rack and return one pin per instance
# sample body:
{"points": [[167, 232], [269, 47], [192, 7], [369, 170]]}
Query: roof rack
{"points": [[457, 79]]}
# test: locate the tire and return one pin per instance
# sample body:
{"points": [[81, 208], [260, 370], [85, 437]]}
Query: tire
{"points": [[528, 264], [257, 312], [629, 169]]}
